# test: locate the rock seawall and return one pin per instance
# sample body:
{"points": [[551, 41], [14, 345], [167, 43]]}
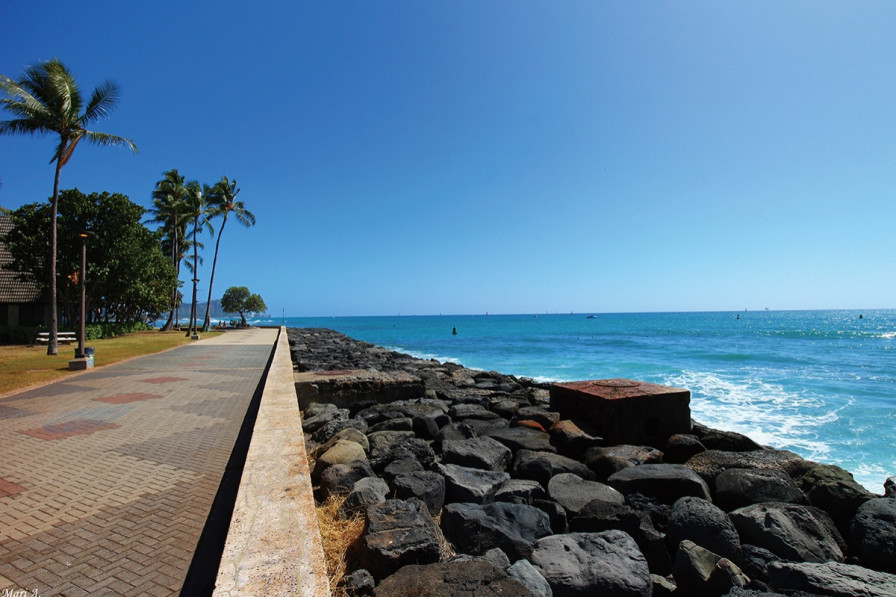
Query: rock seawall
{"points": [[536, 504]]}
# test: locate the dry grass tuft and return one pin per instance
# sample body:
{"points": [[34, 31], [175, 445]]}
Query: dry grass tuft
{"points": [[446, 550], [340, 540]]}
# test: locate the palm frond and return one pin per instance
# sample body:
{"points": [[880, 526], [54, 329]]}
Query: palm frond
{"points": [[107, 139], [17, 94], [188, 262], [102, 101], [243, 215], [36, 81], [10, 87], [169, 205], [65, 92], [47, 99], [20, 126], [23, 104]]}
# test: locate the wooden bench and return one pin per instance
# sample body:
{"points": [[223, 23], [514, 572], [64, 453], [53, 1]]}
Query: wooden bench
{"points": [[61, 337]]}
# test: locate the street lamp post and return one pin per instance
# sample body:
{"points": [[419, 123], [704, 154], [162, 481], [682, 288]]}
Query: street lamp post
{"points": [[194, 324], [81, 361], [81, 326]]}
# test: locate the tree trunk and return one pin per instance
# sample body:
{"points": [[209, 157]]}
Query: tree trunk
{"points": [[172, 313], [211, 280], [169, 325], [53, 343], [193, 321]]}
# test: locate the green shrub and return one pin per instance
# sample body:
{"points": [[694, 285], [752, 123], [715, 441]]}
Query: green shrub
{"points": [[16, 334], [98, 331]]}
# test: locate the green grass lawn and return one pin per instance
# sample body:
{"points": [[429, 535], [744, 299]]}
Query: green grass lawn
{"points": [[24, 366]]}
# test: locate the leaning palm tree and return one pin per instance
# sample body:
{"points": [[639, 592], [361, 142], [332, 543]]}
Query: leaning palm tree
{"points": [[46, 99], [197, 212], [169, 200], [222, 201]]}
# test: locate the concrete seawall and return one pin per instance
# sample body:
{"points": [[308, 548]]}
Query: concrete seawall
{"points": [[273, 546]]}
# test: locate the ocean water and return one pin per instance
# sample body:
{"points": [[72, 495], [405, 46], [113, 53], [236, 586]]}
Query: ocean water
{"points": [[819, 383]]}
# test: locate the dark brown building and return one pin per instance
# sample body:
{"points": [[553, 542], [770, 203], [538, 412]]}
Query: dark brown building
{"points": [[21, 302]]}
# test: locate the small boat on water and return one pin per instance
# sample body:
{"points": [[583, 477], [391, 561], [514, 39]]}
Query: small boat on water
{"points": [[591, 317]]}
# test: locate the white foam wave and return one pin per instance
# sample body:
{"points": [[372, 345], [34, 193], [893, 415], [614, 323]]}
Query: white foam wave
{"points": [[545, 379], [871, 476], [426, 356], [888, 335], [763, 411]]}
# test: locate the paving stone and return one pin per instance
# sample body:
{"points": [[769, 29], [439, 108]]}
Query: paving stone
{"points": [[107, 480]]}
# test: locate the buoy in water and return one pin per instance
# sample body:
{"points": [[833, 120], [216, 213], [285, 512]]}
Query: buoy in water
{"points": [[454, 331]]}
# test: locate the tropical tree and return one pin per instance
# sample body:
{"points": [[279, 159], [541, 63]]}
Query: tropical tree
{"points": [[197, 213], [222, 201], [46, 99], [169, 199], [237, 299], [128, 276]]}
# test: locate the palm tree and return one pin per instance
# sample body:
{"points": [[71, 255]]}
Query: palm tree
{"points": [[197, 212], [46, 99], [169, 201], [222, 201]]}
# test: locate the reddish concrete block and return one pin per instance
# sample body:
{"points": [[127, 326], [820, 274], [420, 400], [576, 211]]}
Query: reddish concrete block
{"points": [[345, 387], [625, 411]]}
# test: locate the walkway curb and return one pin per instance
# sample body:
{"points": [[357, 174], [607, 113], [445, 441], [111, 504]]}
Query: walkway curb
{"points": [[273, 546]]}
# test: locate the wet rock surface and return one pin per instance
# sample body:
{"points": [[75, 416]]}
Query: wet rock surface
{"points": [[534, 502]]}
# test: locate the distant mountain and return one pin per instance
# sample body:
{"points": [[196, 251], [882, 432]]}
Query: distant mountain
{"points": [[216, 311]]}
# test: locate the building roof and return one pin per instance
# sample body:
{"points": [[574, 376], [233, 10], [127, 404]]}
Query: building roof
{"points": [[12, 290]]}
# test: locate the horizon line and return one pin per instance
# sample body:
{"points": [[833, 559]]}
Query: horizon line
{"points": [[564, 313]]}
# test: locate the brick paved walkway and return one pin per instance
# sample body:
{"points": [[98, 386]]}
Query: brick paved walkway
{"points": [[107, 478]]}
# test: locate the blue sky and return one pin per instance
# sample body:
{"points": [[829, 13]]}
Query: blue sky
{"points": [[468, 156]]}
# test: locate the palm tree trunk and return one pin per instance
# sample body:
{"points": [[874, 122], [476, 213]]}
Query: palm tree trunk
{"points": [[169, 325], [208, 304], [193, 329], [53, 343]]}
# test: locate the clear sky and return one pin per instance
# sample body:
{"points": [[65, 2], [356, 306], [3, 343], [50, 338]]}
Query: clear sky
{"points": [[502, 156]]}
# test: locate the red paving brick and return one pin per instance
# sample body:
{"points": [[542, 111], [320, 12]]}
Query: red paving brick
{"points": [[167, 379], [68, 429], [125, 398], [9, 488], [115, 505]]}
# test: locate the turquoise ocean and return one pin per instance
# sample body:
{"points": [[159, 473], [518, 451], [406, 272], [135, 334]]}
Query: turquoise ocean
{"points": [[819, 383]]}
